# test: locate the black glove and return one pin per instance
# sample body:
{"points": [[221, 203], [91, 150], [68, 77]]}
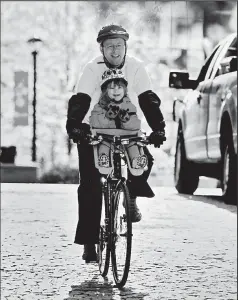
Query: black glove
{"points": [[124, 115], [112, 111], [79, 133], [157, 138]]}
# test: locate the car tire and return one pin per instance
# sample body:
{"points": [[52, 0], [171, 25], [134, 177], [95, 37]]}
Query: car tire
{"points": [[186, 178], [229, 172]]}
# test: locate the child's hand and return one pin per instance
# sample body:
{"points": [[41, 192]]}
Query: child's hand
{"points": [[113, 111], [124, 115]]}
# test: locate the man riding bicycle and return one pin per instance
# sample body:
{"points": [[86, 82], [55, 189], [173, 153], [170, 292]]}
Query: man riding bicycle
{"points": [[113, 47]]}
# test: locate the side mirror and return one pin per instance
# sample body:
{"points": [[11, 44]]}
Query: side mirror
{"points": [[180, 80], [233, 64]]}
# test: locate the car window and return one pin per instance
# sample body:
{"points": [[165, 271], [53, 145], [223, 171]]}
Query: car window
{"points": [[229, 50], [203, 72], [232, 50], [217, 57]]}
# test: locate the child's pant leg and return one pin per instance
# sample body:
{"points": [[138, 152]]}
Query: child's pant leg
{"points": [[137, 185], [133, 151], [104, 148]]}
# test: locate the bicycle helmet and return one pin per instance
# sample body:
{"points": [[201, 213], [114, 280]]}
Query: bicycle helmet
{"points": [[112, 32], [110, 75]]}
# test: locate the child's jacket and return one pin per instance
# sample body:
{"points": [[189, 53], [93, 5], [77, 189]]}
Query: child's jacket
{"points": [[116, 115]]}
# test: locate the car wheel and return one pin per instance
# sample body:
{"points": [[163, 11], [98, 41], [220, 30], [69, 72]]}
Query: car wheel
{"points": [[229, 173], [186, 178]]}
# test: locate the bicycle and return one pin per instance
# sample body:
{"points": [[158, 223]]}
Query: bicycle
{"points": [[115, 236]]}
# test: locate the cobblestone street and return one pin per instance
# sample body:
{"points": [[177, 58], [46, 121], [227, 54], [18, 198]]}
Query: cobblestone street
{"points": [[184, 248]]}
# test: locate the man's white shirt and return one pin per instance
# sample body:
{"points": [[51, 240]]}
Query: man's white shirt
{"points": [[134, 72]]}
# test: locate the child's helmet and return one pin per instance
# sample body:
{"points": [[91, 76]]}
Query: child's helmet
{"points": [[111, 32], [110, 75]]}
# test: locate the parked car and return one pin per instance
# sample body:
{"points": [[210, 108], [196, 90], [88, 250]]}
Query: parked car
{"points": [[207, 122]]}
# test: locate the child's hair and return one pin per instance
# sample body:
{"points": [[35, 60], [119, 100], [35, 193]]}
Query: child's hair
{"points": [[104, 99]]}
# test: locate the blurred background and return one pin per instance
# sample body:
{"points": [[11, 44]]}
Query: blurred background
{"points": [[45, 45]]}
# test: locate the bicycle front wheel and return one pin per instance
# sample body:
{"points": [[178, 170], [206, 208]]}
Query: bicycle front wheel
{"points": [[104, 238], [121, 235]]}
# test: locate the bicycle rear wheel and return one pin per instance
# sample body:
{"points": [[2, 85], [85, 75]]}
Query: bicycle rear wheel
{"points": [[104, 238], [121, 235]]}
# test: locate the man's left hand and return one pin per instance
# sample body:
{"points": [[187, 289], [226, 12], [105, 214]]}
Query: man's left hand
{"points": [[157, 138]]}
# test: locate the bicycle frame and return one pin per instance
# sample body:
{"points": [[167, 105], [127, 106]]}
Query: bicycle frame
{"points": [[113, 184]]}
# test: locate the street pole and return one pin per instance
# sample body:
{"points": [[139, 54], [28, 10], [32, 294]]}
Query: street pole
{"points": [[34, 53], [69, 142], [34, 42]]}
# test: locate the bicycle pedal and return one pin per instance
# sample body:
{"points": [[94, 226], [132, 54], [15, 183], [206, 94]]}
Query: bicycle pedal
{"points": [[125, 234]]}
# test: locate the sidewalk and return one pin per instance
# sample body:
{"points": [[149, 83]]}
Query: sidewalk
{"points": [[184, 248]]}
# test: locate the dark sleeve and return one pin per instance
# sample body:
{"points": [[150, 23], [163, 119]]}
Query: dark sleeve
{"points": [[78, 107], [150, 105]]}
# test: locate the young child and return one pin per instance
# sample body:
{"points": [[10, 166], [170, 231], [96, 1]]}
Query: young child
{"points": [[115, 110]]}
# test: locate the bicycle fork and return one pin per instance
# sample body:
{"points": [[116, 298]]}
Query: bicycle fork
{"points": [[106, 193]]}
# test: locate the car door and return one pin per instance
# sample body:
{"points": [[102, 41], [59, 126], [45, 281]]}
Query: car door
{"points": [[217, 92], [196, 114], [191, 115]]}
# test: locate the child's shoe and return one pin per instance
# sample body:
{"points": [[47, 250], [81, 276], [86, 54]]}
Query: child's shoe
{"points": [[143, 161], [103, 161], [140, 162]]}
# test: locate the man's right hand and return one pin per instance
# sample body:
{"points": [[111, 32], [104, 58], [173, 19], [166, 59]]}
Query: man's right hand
{"points": [[79, 133]]}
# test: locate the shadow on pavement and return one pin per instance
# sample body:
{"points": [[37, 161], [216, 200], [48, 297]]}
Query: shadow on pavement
{"points": [[104, 290], [129, 294], [212, 199]]}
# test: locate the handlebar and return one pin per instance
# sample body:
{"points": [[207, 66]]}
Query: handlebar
{"points": [[117, 136], [119, 140]]}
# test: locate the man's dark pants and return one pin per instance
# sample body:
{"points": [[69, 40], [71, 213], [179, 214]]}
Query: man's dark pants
{"points": [[89, 194]]}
